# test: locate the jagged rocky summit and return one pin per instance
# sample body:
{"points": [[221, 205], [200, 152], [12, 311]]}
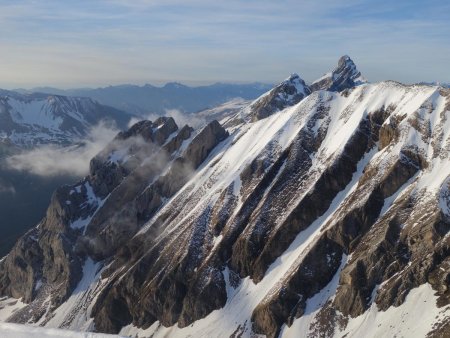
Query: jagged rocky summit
{"points": [[344, 76], [319, 210]]}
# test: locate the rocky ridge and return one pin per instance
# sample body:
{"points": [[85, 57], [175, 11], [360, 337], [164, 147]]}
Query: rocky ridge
{"points": [[318, 207]]}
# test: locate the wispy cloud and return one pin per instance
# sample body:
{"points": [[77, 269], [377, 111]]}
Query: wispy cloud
{"points": [[7, 188], [106, 42], [51, 160]]}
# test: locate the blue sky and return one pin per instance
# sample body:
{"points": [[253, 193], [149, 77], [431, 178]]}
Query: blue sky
{"points": [[99, 42]]}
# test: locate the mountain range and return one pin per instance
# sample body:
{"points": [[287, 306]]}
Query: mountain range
{"points": [[314, 210], [27, 120], [149, 99], [36, 125]]}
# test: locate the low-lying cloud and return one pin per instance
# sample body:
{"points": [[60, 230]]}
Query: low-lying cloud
{"points": [[53, 160]]}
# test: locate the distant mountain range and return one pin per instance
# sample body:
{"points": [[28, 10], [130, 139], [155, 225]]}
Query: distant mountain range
{"points": [[149, 99]]}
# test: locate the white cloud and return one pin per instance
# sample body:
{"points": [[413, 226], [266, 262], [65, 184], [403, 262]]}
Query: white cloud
{"points": [[182, 119], [7, 188], [52, 160]]}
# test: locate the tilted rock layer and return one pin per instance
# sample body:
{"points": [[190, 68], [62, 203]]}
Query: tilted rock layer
{"points": [[309, 214]]}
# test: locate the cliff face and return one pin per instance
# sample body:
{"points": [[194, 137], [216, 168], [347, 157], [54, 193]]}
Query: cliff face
{"points": [[99, 214], [308, 215], [344, 76]]}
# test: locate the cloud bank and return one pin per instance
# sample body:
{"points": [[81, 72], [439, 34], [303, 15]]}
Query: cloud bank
{"points": [[52, 160]]}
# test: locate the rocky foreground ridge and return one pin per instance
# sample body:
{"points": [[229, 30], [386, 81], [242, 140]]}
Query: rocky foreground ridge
{"points": [[314, 211]]}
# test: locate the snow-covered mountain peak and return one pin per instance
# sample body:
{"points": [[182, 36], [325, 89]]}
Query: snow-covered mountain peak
{"points": [[286, 94], [293, 89], [296, 81], [292, 78]]}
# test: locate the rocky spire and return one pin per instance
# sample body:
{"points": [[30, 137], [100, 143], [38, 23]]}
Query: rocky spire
{"points": [[344, 76]]}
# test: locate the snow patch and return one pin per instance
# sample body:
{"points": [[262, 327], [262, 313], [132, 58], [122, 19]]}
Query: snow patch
{"points": [[75, 312], [9, 330], [414, 318]]}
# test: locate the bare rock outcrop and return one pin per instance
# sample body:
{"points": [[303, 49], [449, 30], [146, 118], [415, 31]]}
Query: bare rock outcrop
{"points": [[344, 76]]}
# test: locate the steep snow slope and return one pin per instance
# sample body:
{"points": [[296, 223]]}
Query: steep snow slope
{"points": [[23, 331], [415, 318], [328, 215], [280, 129]]}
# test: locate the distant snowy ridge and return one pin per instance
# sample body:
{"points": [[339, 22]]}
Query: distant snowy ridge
{"points": [[436, 83], [33, 119], [149, 99]]}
